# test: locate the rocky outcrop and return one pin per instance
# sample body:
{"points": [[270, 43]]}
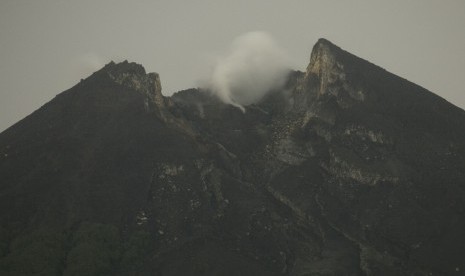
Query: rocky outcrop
{"points": [[336, 73], [349, 170], [133, 76]]}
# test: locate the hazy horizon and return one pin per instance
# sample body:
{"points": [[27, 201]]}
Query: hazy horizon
{"points": [[48, 46]]}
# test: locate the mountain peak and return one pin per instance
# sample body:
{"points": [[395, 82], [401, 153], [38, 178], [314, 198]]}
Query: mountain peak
{"points": [[324, 47], [323, 63], [348, 170], [133, 76], [124, 67], [333, 68], [323, 41]]}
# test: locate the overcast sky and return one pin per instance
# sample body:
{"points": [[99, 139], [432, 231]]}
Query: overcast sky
{"points": [[48, 46]]}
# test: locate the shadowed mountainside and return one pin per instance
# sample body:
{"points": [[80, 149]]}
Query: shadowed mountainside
{"points": [[347, 170]]}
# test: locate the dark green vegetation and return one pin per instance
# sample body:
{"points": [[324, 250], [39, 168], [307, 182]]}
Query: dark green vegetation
{"points": [[348, 170]]}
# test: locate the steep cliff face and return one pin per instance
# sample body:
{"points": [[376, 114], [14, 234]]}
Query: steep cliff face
{"points": [[349, 170], [133, 76], [380, 145]]}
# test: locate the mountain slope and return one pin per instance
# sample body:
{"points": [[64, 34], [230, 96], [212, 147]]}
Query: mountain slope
{"points": [[348, 170]]}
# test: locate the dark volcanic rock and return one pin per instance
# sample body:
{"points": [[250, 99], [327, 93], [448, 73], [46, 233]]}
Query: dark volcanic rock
{"points": [[350, 170]]}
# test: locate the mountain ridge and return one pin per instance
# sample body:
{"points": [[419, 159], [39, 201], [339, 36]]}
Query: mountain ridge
{"points": [[347, 170]]}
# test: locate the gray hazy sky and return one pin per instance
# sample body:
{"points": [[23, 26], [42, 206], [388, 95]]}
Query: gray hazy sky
{"points": [[48, 46]]}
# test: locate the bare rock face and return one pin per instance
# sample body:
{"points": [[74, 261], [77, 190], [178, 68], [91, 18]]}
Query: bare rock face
{"points": [[350, 170], [133, 76], [324, 64], [328, 62]]}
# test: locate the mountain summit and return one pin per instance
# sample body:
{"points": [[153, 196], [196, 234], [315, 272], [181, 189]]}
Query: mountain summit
{"points": [[347, 170]]}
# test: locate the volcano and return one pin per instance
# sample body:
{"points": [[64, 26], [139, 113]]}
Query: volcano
{"points": [[346, 170]]}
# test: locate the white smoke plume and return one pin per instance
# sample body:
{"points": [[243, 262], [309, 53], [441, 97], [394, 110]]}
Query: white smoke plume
{"points": [[254, 66]]}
